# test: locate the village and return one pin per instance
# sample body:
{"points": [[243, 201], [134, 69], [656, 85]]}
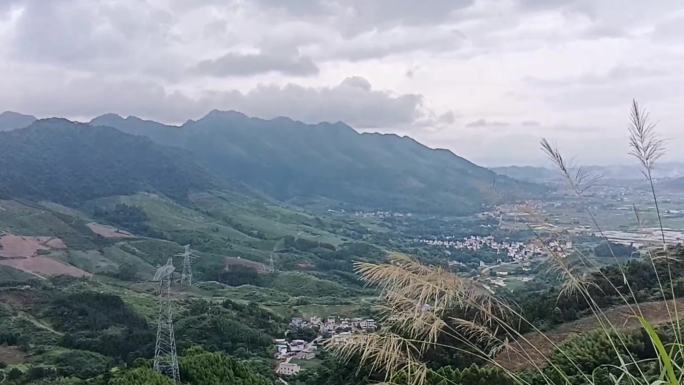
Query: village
{"points": [[331, 330], [508, 262], [512, 251]]}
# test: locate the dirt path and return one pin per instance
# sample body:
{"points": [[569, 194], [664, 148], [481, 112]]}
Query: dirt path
{"points": [[621, 317]]}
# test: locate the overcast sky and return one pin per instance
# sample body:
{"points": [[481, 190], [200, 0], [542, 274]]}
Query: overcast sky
{"points": [[486, 79]]}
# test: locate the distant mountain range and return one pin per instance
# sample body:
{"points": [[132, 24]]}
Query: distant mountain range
{"points": [[326, 165], [664, 171], [330, 164]]}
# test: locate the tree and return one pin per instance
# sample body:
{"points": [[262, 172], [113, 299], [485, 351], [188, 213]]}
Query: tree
{"points": [[140, 376]]}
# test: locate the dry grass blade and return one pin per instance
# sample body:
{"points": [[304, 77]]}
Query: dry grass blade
{"points": [[385, 350], [645, 145], [580, 180]]}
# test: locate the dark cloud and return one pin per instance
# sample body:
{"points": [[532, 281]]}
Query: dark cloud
{"points": [[233, 64]]}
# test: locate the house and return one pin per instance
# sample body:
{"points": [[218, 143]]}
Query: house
{"points": [[340, 338], [288, 369]]}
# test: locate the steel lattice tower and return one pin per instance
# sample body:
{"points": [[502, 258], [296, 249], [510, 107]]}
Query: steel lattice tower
{"points": [[186, 275], [165, 358], [271, 264]]}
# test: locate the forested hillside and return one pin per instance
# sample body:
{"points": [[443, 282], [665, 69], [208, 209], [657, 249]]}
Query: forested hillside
{"points": [[331, 165], [61, 161]]}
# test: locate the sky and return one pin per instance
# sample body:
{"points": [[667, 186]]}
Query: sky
{"points": [[486, 79]]}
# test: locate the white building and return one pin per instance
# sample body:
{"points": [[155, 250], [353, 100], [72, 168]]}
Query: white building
{"points": [[288, 369]]}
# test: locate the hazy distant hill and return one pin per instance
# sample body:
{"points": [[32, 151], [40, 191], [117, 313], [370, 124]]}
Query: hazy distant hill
{"points": [[331, 163], [674, 184], [528, 173], [628, 172], [12, 120], [58, 160]]}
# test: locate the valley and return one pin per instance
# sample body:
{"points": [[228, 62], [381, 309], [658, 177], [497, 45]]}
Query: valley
{"points": [[274, 270]]}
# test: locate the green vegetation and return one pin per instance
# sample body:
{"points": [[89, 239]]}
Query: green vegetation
{"points": [[66, 162], [328, 165]]}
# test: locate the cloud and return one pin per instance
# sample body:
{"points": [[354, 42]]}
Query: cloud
{"points": [[619, 73], [530, 123], [353, 101], [358, 16], [234, 64], [486, 123], [82, 34], [422, 67]]}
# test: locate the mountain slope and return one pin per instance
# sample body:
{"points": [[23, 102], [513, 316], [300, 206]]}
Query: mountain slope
{"points": [[331, 164], [62, 161], [12, 120], [528, 173]]}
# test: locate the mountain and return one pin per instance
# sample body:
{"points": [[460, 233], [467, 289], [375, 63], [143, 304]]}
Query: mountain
{"points": [[12, 120], [135, 126], [331, 164], [676, 184], [528, 173], [67, 162]]}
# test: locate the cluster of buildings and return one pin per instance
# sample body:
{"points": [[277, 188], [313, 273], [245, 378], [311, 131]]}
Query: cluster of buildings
{"points": [[332, 328], [293, 350], [513, 250]]}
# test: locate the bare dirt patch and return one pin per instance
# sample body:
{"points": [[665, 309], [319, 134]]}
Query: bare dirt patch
{"points": [[42, 266], [109, 231], [15, 246], [11, 355], [23, 253], [620, 316]]}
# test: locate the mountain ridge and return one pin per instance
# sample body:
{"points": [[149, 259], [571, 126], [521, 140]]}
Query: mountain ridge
{"points": [[10, 120], [306, 164], [59, 160]]}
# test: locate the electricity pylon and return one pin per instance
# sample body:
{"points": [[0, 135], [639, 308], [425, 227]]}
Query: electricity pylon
{"points": [[165, 358], [186, 275]]}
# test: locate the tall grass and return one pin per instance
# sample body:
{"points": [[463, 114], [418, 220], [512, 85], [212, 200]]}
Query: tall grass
{"points": [[429, 308]]}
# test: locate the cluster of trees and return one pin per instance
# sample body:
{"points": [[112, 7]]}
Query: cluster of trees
{"points": [[197, 367], [101, 323], [131, 218], [594, 356], [241, 330], [608, 287], [470, 375], [237, 275]]}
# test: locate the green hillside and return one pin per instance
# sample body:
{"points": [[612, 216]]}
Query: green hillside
{"points": [[62, 161], [331, 165]]}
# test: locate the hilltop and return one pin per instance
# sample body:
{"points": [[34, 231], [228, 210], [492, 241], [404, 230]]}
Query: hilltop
{"points": [[10, 120]]}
